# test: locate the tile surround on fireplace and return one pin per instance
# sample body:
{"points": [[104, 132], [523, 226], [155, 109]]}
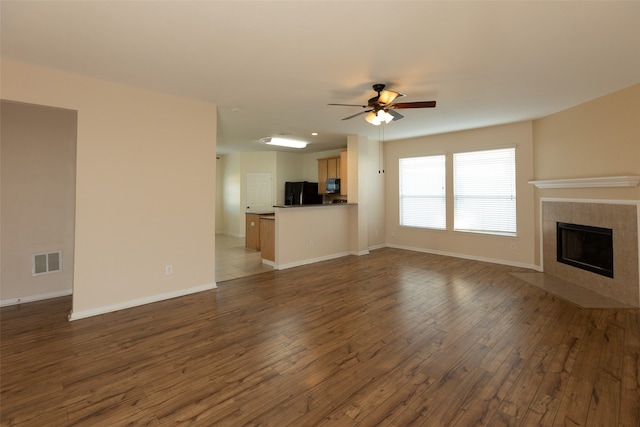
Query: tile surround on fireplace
{"points": [[622, 219]]}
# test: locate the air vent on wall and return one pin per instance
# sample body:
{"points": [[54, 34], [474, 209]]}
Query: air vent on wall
{"points": [[46, 263]]}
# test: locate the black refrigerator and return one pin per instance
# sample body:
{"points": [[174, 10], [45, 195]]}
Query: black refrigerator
{"points": [[301, 193]]}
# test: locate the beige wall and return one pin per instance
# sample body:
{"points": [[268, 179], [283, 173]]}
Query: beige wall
{"points": [[596, 139], [145, 187], [219, 195], [230, 198], [374, 184], [359, 190], [508, 250], [38, 198], [599, 138]]}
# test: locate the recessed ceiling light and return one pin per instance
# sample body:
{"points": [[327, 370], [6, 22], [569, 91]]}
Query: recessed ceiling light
{"points": [[314, 133]]}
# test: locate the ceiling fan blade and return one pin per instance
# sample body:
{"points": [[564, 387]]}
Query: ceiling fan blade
{"points": [[350, 105], [387, 97], [395, 114], [423, 104], [357, 114]]}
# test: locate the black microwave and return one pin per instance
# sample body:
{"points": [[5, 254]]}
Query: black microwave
{"points": [[333, 185]]}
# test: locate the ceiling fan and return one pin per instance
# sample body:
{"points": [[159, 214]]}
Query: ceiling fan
{"points": [[381, 108]]}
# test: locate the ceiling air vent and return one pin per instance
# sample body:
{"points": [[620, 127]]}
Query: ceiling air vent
{"points": [[46, 263]]}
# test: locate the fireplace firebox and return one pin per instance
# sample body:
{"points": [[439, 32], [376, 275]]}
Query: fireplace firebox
{"points": [[586, 247]]}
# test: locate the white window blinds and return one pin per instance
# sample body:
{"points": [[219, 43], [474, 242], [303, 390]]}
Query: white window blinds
{"points": [[422, 192], [484, 187]]}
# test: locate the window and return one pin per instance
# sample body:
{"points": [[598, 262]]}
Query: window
{"points": [[484, 191], [422, 192]]}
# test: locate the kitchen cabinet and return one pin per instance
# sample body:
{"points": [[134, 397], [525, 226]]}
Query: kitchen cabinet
{"points": [[252, 230], [332, 167], [322, 176], [333, 171], [268, 238]]}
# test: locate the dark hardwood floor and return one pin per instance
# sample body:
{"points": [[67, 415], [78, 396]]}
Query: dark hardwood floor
{"points": [[394, 338]]}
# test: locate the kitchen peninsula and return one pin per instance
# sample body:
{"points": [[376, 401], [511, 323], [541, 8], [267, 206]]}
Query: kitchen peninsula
{"points": [[252, 231], [304, 234]]}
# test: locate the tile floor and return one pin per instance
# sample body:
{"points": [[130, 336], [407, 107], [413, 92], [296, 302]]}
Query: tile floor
{"points": [[233, 260], [569, 291]]}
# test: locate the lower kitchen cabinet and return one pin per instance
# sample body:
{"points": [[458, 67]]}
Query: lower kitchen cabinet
{"points": [[252, 230], [268, 238]]}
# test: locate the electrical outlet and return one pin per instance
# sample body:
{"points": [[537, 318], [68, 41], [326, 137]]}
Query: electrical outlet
{"points": [[168, 269], [311, 243], [393, 234], [513, 245]]}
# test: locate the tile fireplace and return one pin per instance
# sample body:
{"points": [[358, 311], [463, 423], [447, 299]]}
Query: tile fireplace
{"points": [[612, 272]]}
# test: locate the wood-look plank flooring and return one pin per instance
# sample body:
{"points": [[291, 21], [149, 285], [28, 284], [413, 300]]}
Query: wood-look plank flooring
{"points": [[394, 338]]}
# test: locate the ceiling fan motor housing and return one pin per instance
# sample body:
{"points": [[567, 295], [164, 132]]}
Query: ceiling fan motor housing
{"points": [[373, 103]]}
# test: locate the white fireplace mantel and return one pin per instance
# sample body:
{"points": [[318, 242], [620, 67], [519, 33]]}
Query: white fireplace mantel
{"points": [[608, 181]]}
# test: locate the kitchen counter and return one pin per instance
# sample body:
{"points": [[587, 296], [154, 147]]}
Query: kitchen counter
{"points": [[263, 212], [316, 206], [310, 233]]}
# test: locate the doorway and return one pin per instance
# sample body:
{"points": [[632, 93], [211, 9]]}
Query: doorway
{"points": [[38, 199]]}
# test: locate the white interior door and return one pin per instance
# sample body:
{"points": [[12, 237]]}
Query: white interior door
{"points": [[259, 191]]}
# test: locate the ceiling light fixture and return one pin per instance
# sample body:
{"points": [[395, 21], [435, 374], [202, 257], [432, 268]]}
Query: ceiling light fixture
{"points": [[284, 142], [379, 117]]}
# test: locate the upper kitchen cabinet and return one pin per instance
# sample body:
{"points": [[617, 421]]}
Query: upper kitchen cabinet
{"points": [[333, 167], [323, 174]]}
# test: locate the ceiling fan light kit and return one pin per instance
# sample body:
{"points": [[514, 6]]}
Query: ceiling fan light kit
{"points": [[378, 118], [381, 108]]}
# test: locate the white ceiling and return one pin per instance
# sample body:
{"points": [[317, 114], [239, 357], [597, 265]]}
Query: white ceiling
{"points": [[273, 66]]}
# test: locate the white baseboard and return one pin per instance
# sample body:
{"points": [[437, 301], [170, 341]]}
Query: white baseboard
{"points": [[140, 301], [311, 261], [380, 246], [33, 298], [269, 263], [360, 253], [471, 257]]}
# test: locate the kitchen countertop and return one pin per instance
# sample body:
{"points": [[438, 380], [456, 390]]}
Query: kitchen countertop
{"points": [[315, 206]]}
